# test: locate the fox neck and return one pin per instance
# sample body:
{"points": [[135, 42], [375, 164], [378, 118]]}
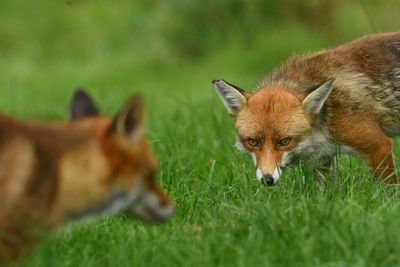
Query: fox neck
{"points": [[82, 181], [316, 146], [319, 145]]}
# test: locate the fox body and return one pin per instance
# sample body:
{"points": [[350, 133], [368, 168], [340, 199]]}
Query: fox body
{"points": [[91, 165], [347, 98]]}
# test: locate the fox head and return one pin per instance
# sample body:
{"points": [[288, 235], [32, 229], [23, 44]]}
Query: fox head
{"points": [[273, 123], [114, 170]]}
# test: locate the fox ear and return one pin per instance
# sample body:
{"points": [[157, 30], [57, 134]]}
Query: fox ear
{"points": [[314, 102], [232, 96], [82, 106], [129, 123]]}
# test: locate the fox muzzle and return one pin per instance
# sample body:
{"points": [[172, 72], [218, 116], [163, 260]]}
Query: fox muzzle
{"points": [[267, 180]]}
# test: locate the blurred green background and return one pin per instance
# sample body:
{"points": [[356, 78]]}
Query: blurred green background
{"points": [[47, 48], [169, 51]]}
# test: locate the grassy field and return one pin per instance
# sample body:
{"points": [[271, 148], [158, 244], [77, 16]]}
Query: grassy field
{"points": [[224, 216]]}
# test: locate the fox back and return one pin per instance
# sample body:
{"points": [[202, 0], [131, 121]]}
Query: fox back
{"points": [[92, 165]]}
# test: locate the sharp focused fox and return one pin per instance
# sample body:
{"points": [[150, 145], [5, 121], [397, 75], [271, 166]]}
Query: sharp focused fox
{"points": [[347, 98], [91, 165]]}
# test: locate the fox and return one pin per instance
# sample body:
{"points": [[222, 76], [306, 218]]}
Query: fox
{"points": [[90, 166], [313, 105]]}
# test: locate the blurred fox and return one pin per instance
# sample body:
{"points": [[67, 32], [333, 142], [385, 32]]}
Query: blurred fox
{"points": [[346, 99], [92, 165]]}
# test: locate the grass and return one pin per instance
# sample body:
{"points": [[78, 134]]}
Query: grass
{"points": [[224, 216]]}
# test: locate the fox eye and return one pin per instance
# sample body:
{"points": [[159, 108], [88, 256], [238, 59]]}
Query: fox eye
{"points": [[284, 142], [253, 142]]}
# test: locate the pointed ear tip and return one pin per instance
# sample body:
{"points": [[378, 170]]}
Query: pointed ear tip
{"points": [[136, 101], [216, 81], [79, 91], [137, 98]]}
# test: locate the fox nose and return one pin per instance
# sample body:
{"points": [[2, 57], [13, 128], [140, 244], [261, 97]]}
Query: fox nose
{"points": [[267, 180]]}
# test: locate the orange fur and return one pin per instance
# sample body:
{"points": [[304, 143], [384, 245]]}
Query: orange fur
{"points": [[266, 116], [52, 173], [346, 97]]}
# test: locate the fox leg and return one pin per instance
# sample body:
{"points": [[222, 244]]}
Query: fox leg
{"points": [[381, 161], [367, 139]]}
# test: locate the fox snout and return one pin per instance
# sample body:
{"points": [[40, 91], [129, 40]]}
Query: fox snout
{"points": [[267, 178], [153, 206]]}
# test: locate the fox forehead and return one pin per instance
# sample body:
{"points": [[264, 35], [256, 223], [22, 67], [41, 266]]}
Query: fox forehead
{"points": [[271, 111]]}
